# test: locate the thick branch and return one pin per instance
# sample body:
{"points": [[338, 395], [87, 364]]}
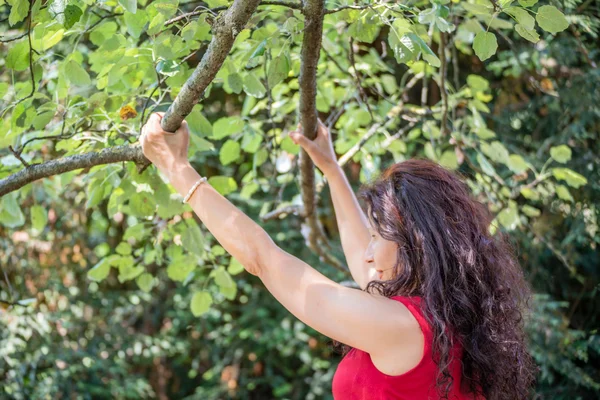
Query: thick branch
{"points": [[311, 47], [225, 29], [37, 171]]}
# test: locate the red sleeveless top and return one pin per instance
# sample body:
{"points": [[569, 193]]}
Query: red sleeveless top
{"points": [[357, 378]]}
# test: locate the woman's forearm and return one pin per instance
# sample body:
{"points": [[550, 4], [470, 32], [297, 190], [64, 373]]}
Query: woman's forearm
{"points": [[352, 223], [239, 235]]}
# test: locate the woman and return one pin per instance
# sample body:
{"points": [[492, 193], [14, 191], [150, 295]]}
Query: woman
{"points": [[439, 313]]}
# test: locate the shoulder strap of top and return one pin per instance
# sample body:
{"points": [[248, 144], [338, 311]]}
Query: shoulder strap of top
{"points": [[414, 306]]}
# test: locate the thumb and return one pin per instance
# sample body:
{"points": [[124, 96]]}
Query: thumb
{"points": [[299, 139]]}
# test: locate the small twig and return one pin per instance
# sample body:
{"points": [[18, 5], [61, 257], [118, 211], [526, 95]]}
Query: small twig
{"points": [[443, 91], [342, 8], [357, 77], [398, 134], [18, 155], [292, 209], [13, 39]]}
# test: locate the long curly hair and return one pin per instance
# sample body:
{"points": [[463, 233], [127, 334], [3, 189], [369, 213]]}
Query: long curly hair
{"points": [[472, 288]]}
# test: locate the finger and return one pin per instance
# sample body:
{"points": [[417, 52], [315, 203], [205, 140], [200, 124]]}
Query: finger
{"points": [[154, 119], [183, 127]]}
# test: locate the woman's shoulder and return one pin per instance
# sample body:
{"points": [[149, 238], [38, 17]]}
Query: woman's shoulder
{"points": [[414, 305]]}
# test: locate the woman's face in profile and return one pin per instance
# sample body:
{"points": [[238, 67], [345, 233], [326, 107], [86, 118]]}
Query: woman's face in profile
{"points": [[381, 255]]}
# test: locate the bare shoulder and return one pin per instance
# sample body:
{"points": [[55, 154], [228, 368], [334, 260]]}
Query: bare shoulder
{"points": [[405, 350]]}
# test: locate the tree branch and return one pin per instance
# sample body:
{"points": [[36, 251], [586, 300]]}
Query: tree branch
{"points": [[443, 92], [37, 171], [225, 29], [313, 11]]}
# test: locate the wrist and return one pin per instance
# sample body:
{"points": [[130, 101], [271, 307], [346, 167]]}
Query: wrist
{"points": [[176, 169], [182, 177], [331, 169]]}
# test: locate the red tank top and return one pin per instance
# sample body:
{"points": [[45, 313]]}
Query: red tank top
{"points": [[357, 378]]}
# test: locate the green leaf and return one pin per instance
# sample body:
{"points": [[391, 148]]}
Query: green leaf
{"points": [[129, 272], [18, 56], [18, 11], [509, 218], [229, 292], [137, 232], [235, 267], [135, 22], [222, 278], [529, 34], [530, 193], [253, 86], [142, 204], [200, 304], [551, 19], [156, 24], [572, 178], [531, 211], [517, 164], [563, 193], [561, 153], [428, 54], [227, 126], [39, 217], [448, 160], [485, 165], [485, 45], [124, 248], [42, 119], [95, 193], [192, 238], [72, 15], [485, 133], [100, 271], [478, 9], [278, 70], [477, 83], [181, 267], [230, 151], [528, 3], [522, 16], [260, 49], [198, 124], [145, 282], [166, 7], [364, 30], [76, 74], [252, 141], [235, 83], [495, 151], [223, 184], [129, 5]]}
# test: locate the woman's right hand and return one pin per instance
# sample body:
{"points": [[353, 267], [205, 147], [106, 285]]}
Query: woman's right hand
{"points": [[320, 149]]}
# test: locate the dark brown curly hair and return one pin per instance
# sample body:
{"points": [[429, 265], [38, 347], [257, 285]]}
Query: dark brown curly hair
{"points": [[473, 289]]}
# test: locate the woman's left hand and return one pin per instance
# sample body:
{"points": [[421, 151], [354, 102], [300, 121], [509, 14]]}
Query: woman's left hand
{"points": [[166, 150]]}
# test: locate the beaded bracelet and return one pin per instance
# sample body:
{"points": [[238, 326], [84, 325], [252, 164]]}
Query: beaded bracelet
{"points": [[191, 192]]}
